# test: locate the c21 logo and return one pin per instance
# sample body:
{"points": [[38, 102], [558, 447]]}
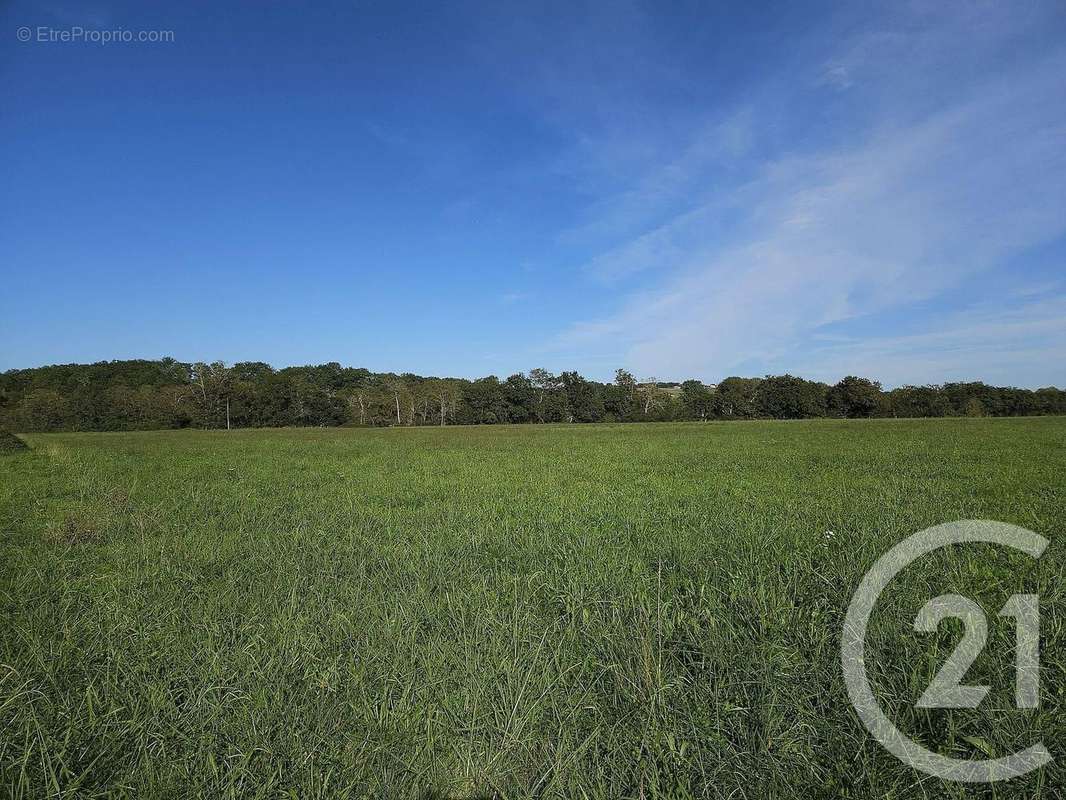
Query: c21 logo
{"points": [[946, 690]]}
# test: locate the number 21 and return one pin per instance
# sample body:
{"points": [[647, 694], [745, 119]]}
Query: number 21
{"points": [[946, 689]]}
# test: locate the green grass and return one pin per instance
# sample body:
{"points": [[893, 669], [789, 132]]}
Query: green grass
{"points": [[560, 611]]}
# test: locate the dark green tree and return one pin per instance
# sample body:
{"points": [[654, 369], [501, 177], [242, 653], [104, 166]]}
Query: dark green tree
{"points": [[584, 399], [697, 400], [789, 397], [855, 397]]}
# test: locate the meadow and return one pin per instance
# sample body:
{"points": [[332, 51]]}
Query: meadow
{"points": [[596, 611]]}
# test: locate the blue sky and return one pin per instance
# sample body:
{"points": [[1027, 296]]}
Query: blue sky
{"points": [[683, 189]]}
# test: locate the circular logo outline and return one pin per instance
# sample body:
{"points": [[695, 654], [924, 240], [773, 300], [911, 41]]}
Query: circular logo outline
{"points": [[853, 648]]}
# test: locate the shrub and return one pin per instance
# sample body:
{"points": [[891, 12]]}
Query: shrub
{"points": [[10, 443]]}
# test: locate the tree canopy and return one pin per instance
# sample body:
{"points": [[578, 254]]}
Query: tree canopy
{"points": [[143, 394]]}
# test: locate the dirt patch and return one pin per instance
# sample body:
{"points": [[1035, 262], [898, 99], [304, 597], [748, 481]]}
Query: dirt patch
{"points": [[78, 529]]}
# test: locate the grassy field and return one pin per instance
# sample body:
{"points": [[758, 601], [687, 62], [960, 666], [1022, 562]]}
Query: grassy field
{"points": [[560, 611]]}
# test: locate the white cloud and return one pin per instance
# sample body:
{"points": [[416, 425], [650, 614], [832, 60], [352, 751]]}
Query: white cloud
{"points": [[718, 142], [913, 211], [1020, 345]]}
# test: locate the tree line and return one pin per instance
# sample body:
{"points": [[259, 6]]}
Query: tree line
{"points": [[144, 394]]}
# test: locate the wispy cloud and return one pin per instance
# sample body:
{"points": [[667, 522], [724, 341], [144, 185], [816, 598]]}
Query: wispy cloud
{"points": [[86, 15], [719, 143], [386, 135], [1021, 344], [911, 210]]}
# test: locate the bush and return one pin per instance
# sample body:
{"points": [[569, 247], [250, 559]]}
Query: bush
{"points": [[10, 443]]}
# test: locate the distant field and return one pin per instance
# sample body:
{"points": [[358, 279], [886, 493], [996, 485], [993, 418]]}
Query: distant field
{"points": [[555, 611]]}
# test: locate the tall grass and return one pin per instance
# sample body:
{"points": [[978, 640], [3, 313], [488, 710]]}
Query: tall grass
{"points": [[559, 611]]}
